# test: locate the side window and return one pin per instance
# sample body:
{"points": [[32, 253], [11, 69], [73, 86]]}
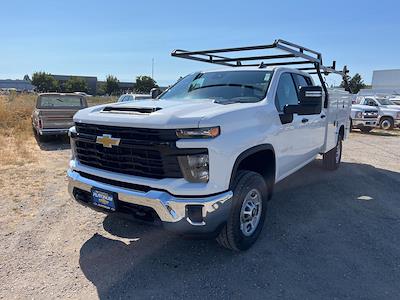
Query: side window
{"points": [[286, 92], [370, 102], [301, 80]]}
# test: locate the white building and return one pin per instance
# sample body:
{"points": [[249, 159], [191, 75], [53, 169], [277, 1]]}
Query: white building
{"points": [[384, 82]]}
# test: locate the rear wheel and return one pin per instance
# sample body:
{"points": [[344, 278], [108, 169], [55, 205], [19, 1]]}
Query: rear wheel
{"points": [[386, 123], [247, 215], [332, 159], [351, 125]]}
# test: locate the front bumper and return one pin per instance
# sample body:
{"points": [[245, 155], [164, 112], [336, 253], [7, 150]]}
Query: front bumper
{"points": [[56, 131], [357, 123], [191, 215]]}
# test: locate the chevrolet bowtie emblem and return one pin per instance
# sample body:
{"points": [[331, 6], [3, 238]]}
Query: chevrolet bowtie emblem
{"points": [[107, 140]]}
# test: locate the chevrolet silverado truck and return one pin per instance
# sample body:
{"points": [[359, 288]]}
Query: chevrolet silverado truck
{"points": [[363, 117], [389, 113], [204, 156], [53, 113]]}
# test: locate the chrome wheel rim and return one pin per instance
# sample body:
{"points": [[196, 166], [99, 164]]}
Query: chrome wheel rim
{"points": [[250, 213], [338, 152], [385, 124]]}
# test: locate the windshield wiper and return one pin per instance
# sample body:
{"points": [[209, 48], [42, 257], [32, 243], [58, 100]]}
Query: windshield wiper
{"points": [[228, 84], [237, 100]]}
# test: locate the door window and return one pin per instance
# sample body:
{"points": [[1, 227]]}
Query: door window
{"points": [[286, 92], [370, 102], [301, 80]]}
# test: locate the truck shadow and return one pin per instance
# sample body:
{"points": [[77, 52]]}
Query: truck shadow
{"points": [[327, 234], [379, 132], [54, 143]]}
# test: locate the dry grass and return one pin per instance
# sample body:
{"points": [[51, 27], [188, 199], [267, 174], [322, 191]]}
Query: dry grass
{"points": [[17, 143]]}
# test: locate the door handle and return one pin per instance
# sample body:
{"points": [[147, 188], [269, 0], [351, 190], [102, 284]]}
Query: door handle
{"points": [[304, 120], [323, 116]]}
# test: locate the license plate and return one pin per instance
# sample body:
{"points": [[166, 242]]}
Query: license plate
{"points": [[103, 199]]}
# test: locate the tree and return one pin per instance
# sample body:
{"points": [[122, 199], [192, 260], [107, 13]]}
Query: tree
{"points": [[356, 83], [111, 85], [76, 84], [44, 82], [26, 77], [144, 84]]}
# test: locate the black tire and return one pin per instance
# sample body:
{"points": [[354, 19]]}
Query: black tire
{"points": [[365, 129], [351, 125], [384, 121], [246, 184], [331, 159]]}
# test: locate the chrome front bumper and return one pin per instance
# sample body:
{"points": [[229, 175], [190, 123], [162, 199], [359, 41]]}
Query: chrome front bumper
{"points": [[365, 122], [170, 209]]}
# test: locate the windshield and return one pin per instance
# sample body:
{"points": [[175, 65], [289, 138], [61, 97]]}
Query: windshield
{"points": [[240, 86], [385, 101], [58, 101]]}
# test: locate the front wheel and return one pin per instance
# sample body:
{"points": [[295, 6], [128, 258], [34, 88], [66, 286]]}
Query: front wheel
{"points": [[386, 123], [247, 215], [332, 159]]}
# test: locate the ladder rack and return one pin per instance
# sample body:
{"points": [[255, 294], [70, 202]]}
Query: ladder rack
{"points": [[295, 55]]}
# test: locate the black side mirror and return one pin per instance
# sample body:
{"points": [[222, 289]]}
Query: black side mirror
{"points": [[155, 92], [310, 102]]}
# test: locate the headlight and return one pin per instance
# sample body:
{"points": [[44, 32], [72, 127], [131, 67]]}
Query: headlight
{"points": [[359, 115], [198, 133], [72, 135], [195, 167]]}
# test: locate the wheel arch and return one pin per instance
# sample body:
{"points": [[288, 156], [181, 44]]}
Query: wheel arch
{"points": [[260, 159]]}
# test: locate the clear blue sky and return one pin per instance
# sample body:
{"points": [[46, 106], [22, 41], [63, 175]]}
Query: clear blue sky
{"points": [[121, 37]]}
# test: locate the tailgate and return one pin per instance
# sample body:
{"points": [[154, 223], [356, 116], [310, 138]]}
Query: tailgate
{"points": [[57, 118]]}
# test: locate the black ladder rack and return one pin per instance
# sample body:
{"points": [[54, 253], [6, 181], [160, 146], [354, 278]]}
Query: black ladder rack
{"points": [[300, 54]]}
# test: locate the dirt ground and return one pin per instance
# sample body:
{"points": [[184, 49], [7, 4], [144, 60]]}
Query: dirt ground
{"points": [[327, 235]]}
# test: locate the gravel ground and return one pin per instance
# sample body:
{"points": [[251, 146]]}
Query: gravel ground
{"points": [[327, 235]]}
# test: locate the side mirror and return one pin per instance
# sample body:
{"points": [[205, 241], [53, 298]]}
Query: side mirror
{"points": [[155, 92], [310, 102]]}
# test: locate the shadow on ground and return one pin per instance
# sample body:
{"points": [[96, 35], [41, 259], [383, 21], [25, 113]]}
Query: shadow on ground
{"points": [[328, 234], [379, 132], [54, 143]]}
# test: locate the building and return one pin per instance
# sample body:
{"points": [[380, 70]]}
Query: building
{"points": [[90, 80], [384, 82], [17, 85]]}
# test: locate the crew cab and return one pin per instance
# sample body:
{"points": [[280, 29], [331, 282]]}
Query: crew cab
{"points": [[204, 156], [363, 117], [53, 113], [389, 113]]}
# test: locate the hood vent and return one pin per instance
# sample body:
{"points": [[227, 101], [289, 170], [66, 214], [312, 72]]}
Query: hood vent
{"points": [[130, 110]]}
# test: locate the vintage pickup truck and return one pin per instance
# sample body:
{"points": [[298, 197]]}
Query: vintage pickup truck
{"points": [[53, 113], [203, 158]]}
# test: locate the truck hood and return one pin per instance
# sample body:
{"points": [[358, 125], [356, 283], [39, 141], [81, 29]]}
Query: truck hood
{"points": [[151, 113], [393, 107], [361, 107]]}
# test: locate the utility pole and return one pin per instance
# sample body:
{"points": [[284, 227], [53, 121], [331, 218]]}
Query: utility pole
{"points": [[152, 68]]}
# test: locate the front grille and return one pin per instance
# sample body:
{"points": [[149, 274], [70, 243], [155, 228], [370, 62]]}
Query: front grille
{"points": [[370, 114], [141, 152]]}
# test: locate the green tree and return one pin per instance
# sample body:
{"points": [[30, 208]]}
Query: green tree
{"points": [[111, 85], [144, 84], [356, 83], [27, 78], [76, 84], [44, 82]]}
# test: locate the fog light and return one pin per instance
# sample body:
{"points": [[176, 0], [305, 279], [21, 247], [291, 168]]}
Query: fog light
{"points": [[195, 167]]}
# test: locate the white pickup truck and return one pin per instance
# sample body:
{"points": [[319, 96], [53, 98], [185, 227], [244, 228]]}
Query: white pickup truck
{"points": [[389, 113], [203, 158]]}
